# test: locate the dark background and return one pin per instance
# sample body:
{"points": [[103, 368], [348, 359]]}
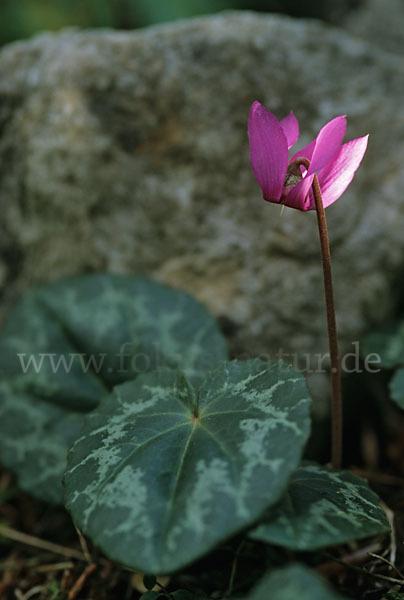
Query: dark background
{"points": [[22, 18]]}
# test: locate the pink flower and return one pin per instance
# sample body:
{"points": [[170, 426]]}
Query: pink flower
{"points": [[285, 182]]}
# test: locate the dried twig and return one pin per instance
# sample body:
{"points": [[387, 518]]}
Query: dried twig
{"points": [[366, 572], [84, 546], [332, 567], [77, 587], [393, 541], [391, 565], [52, 567], [34, 591], [30, 540]]}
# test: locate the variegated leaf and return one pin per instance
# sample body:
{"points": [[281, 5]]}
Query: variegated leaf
{"points": [[388, 343], [163, 472], [397, 388], [65, 345], [322, 508], [291, 583]]}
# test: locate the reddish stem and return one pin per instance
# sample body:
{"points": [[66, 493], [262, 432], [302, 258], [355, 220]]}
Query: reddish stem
{"points": [[336, 401], [336, 405]]}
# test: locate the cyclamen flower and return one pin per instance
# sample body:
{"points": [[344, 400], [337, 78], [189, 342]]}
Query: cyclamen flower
{"points": [[282, 180]]}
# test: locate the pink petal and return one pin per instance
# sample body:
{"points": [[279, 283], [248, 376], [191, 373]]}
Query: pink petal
{"points": [[328, 143], [335, 177], [306, 152], [290, 128], [319, 151], [268, 151], [298, 197]]}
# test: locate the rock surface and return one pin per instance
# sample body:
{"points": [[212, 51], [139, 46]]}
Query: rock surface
{"points": [[380, 23], [128, 152]]}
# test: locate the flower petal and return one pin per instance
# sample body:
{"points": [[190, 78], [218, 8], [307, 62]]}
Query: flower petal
{"points": [[306, 152], [290, 128], [298, 196], [335, 177], [328, 143], [268, 151], [320, 151]]}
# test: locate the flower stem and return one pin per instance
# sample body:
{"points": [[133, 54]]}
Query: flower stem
{"points": [[336, 405]]}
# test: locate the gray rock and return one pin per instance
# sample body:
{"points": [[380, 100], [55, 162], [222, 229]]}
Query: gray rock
{"points": [[128, 152], [380, 23]]}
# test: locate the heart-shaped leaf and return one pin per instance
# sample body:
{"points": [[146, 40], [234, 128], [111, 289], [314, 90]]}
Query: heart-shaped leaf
{"points": [[397, 388], [322, 508], [187, 595], [152, 596], [292, 583], [65, 345], [163, 472], [387, 343]]}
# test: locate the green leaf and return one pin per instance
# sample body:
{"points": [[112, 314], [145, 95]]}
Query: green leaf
{"points": [[65, 345], [397, 388], [186, 595], [292, 583], [388, 343], [156, 487], [34, 439], [323, 508], [152, 596]]}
